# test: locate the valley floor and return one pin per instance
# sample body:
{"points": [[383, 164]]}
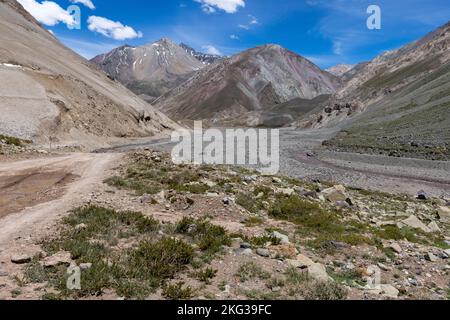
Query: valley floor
{"points": [[302, 157], [38, 195]]}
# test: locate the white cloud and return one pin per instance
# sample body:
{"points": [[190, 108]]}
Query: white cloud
{"points": [[48, 12], [253, 19], [243, 26], [212, 50], [338, 47], [234, 37], [112, 29], [229, 6], [87, 3]]}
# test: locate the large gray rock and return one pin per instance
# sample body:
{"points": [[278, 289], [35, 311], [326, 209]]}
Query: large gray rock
{"points": [[335, 194], [415, 223], [284, 239], [444, 214], [318, 272]]}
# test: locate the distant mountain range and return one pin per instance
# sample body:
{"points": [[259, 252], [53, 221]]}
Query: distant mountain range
{"points": [[340, 69], [150, 70], [238, 90], [205, 58]]}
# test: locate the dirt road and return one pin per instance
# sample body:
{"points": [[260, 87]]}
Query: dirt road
{"points": [[33, 193]]}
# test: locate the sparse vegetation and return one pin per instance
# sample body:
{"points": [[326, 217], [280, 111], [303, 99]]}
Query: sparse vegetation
{"points": [[177, 291], [14, 141], [250, 271]]}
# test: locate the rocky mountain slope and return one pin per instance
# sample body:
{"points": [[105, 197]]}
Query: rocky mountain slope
{"points": [[47, 92], [340, 69], [205, 58], [237, 90], [398, 103], [150, 70]]}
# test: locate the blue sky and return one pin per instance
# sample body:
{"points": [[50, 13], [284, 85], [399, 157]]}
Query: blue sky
{"points": [[326, 31]]}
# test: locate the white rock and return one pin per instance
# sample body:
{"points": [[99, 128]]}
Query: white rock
{"points": [[284, 239]]}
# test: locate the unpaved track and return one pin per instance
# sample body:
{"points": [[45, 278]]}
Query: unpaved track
{"points": [[88, 170]]}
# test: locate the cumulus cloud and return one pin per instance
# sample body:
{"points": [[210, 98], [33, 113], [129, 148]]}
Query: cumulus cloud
{"points": [[48, 12], [212, 50], [229, 6], [87, 3], [112, 29]]}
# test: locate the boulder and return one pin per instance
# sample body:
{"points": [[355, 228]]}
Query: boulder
{"points": [[433, 226], [444, 214], [58, 259], [422, 195], [396, 248], [389, 291], [85, 266], [318, 272], [284, 239], [335, 194], [263, 252], [21, 258], [415, 223], [301, 262]]}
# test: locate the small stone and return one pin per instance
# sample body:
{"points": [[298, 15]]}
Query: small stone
{"points": [[81, 226], [263, 252], [284, 239], [3, 274], [431, 257], [85, 266], [246, 252], [277, 180], [276, 289], [384, 267], [286, 191], [422, 195], [447, 253], [21, 259], [212, 195], [245, 245], [226, 201], [396, 248], [60, 258]]}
